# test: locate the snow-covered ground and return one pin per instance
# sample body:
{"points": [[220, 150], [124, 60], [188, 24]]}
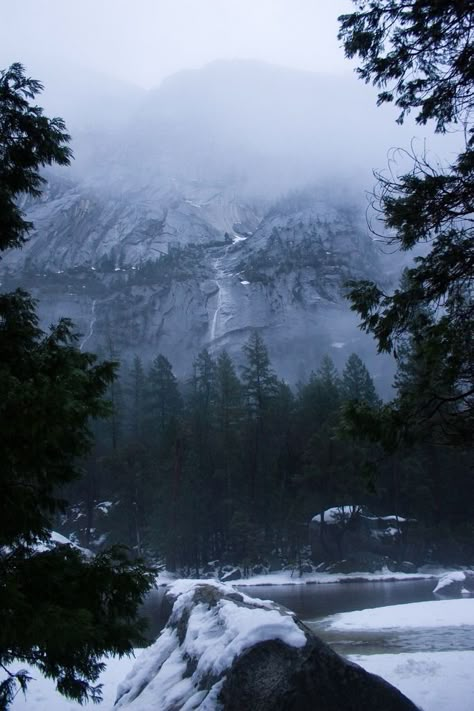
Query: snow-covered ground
{"points": [[288, 577], [435, 680], [434, 613], [293, 577], [42, 694]]}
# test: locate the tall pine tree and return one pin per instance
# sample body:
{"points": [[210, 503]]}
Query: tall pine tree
{"points": [[59, 611]]}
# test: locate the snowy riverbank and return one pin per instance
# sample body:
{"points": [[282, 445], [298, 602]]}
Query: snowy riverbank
{"points": [[435, 680], [435, 613], [289, 577]]}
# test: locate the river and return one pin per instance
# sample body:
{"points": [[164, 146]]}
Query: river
{"points": [[312, 602], [431, 665], [315, 603]]}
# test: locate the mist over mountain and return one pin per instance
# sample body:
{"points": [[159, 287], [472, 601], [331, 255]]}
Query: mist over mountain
{"points": [[227, 199]]}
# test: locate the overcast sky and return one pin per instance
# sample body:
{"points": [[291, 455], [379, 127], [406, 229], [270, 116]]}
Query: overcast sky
{"points": [[143, 41]]}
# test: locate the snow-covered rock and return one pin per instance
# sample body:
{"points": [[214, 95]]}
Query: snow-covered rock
{"points": [[228, 576], [337, 514], [456, 582], [352, 533], [57, 539], [224, 650]]}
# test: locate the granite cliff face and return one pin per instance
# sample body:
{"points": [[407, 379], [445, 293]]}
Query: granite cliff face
{"points": [[146, 257]]}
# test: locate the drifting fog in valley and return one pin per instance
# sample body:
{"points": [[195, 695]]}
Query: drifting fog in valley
{"points": [[232, 143]]}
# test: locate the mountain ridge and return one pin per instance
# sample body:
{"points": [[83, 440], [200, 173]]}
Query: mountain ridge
{"points": [[155, 255]]}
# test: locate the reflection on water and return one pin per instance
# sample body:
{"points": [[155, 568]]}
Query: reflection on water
{"points": [[418, 639], [310, 602], [314, 604]]}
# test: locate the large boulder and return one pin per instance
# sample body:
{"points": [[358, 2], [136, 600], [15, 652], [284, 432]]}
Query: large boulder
{"points": [[455, 583], [351, 531], [223, 650]]}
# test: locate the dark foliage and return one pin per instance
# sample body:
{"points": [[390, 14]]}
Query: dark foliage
{"points": [[421, 53], [60, 610], [234, 469], [28, 139]]}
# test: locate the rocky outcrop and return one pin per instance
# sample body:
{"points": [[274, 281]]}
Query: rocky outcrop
{"points": [[168, 241], [455, 583], [359, 540], [224, 650], [134, 288]]}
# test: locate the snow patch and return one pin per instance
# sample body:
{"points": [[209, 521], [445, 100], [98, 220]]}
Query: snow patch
{"points": [[42, 695], [57, 539], [435, 613], [337, 514], [104, 506], [456, 576], [193, 204], [435, 681], [293, 577]]}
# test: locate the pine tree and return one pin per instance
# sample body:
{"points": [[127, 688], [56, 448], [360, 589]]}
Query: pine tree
{"points": [[163, 490], [260, 386], [203, 488], [229, 415], [259, 380], [356, 382], [28, 140], [136, 391], [59, 611], [164, 404], [326, 475], [420, 55]]}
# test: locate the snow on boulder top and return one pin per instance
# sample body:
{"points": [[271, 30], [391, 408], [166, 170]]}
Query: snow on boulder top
{"points": [[392, 518], [57, 539], [62, 540], [455, 576], [210, 625], [456, 581], [104, 506], [337, 513], [224, 650]]}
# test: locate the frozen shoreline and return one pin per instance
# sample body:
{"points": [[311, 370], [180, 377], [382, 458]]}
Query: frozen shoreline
{"points": [[433, 613], [434, 680], [285, 577]]}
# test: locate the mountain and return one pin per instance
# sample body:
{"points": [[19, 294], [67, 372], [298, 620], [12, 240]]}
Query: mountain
{"points": [[171, 234]]}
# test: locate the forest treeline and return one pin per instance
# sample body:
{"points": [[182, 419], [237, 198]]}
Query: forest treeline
{"points": [[233, 463]]}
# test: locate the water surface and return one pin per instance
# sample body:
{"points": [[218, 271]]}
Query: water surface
{"points": [[311, 602]]}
